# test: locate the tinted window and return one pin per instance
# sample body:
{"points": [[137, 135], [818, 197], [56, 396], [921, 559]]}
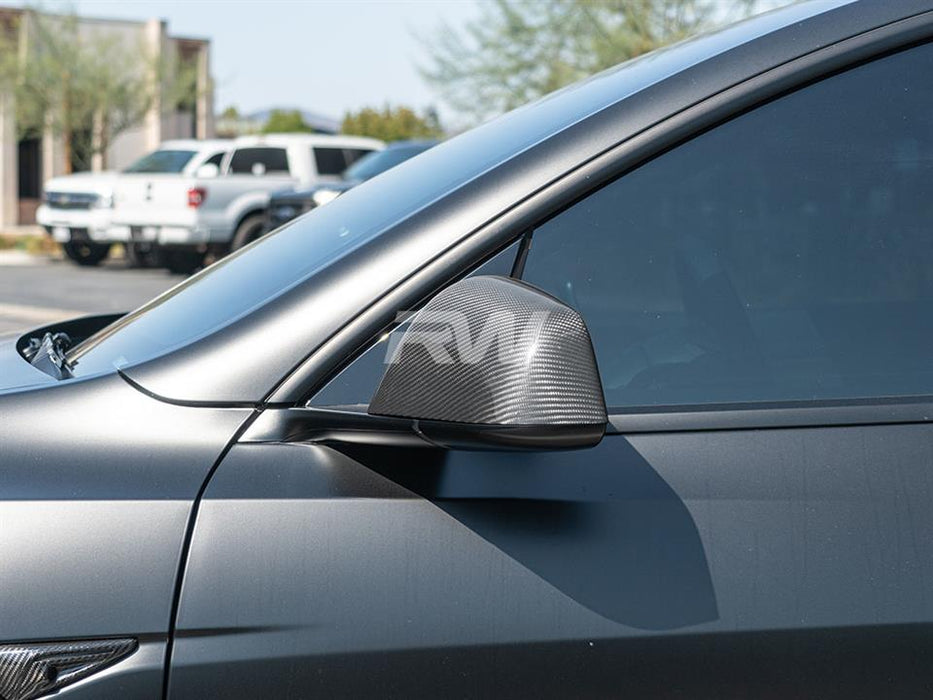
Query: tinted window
{"points": [[354, 154], [355, 385], [329, 161], [380, 161], [215, 159], [785, 255], [169, 161], [273, 159]]}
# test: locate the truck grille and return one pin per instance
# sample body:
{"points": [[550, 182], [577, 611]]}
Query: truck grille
{"points": [[70, 200]]}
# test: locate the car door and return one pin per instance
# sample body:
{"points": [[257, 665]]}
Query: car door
{"points": [[756, 521], [250, 172]]}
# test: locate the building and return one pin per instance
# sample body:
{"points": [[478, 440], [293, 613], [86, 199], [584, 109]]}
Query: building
{"points": [[25, 163]]}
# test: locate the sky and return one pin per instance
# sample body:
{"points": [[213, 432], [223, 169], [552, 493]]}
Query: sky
{"points": [[324, 56]]}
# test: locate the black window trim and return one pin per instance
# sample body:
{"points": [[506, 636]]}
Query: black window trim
{"points": [[822, 413], [615, 162]]}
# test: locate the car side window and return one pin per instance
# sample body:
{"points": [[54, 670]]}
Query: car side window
{"points": [[353, 387], [272, 160], [784, 255], [329, 161], [215, 159], [354, 154]]}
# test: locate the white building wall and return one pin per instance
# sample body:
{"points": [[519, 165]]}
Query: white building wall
{"points": [[127, 147], [9, 170]]}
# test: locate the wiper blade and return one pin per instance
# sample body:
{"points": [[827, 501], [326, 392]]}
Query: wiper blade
{"points": [[48, 354]]}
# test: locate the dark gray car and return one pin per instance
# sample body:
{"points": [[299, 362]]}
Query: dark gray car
{"points": [[287, 204], [627, 392]]}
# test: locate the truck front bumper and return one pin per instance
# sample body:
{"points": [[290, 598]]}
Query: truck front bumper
{"points": [[84, 224]]}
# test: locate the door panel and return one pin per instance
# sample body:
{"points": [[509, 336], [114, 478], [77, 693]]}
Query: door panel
{"points": [[94, 508], [718, 563]]}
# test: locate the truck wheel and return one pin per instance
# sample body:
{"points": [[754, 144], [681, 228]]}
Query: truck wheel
{"points": [[182, 262], [251, 228], [86, 253], [142, 255]]}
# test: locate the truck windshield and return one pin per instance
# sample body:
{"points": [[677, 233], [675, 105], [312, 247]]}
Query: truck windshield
{"points": [[167, 161]]}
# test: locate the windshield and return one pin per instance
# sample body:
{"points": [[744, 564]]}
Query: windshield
{"points": [[251, 280], [377, 162], [169, 161]]}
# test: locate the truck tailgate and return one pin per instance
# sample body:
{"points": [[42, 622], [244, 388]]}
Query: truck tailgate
{"points": [[160, 200]]}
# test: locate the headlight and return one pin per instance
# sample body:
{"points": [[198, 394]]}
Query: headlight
{"points": [[322, 197]]}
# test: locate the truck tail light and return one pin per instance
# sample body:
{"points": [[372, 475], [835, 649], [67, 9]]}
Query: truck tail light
{"points": [[196, 197]]}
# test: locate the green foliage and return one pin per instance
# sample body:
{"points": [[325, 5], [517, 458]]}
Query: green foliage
{"points": [[392, 123], [230, 112], [85, 86], [518, 50], [285, 121]]}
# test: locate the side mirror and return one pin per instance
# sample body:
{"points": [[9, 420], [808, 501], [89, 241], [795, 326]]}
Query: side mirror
{"points": [[207, 170], [493, 363]]}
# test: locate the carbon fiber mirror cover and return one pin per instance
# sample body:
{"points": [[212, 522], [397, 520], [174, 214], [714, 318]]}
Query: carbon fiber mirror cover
{"points": [[498, 352]]}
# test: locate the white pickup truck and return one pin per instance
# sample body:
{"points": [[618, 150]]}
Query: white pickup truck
{"points": [[77, 210], [221, 209]]}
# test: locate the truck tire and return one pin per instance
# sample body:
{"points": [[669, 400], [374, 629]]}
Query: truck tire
{"points": [[142, 255], [251, 228], [182, 262], [85, 253]]}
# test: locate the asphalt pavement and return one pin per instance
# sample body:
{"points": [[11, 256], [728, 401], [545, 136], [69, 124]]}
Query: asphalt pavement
{"points": [[35, 290]]}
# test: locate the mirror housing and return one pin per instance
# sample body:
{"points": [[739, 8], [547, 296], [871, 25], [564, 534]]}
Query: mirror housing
{"points": [[207, 170], [493, 363]]}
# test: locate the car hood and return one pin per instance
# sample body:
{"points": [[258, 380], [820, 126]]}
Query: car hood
{"points": [[15, 373], [98, 183]]}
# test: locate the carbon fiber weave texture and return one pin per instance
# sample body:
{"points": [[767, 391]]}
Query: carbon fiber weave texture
{"points": [[29, 670], [490, 350]]}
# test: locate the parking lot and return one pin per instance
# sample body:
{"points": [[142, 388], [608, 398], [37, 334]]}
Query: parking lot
{"points": [[36, 290]]}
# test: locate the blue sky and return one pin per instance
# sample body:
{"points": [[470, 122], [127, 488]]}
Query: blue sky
{"points": [[325, 56]]}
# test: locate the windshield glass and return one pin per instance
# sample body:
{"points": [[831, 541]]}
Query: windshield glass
{"points": [[377, 162], [169, 161], [255, 276]]}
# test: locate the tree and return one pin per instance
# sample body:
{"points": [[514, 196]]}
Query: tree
{"points": [[518, 50], [286, 121], [87, 87], [392, 123]]}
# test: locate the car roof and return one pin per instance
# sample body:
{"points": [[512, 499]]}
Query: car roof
{"points": [[337, 140], [441, 198]]}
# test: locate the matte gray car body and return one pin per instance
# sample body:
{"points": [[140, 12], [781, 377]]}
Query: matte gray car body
{"points": [[174, 502]]}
